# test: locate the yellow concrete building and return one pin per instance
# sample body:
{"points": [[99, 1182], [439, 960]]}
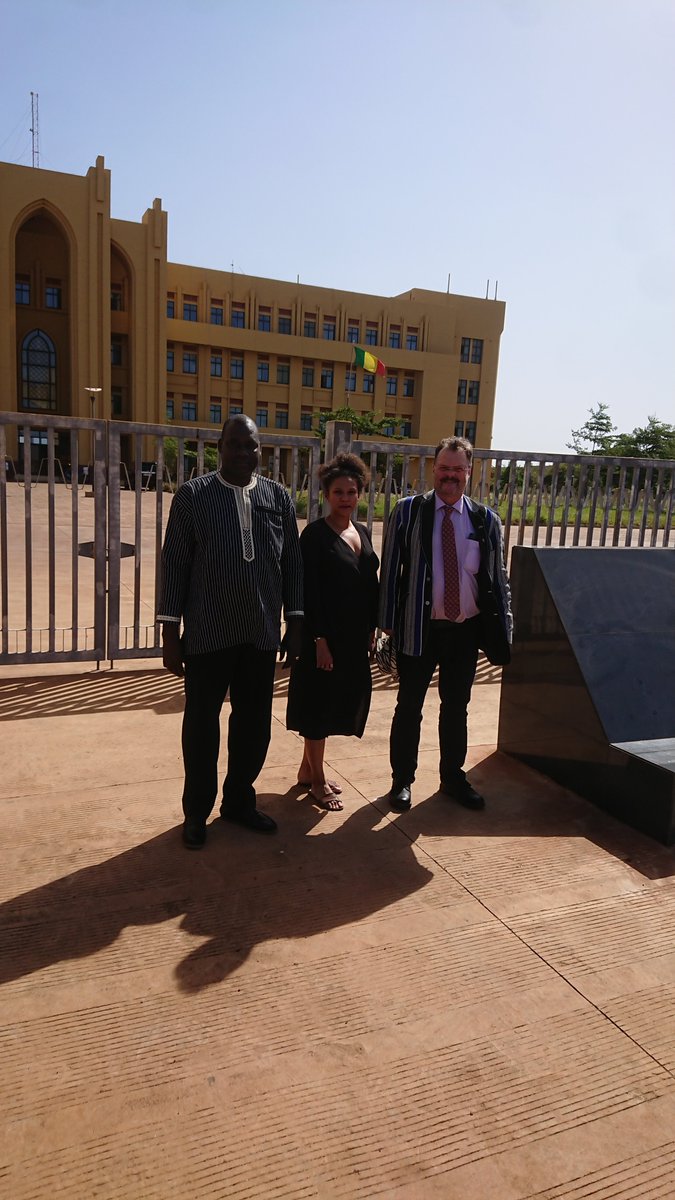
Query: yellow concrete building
{"points": [[88, 301]]}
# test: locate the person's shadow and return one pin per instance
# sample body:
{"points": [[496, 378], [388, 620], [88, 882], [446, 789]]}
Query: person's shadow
{"points": [[243, 889], [318, 873]]}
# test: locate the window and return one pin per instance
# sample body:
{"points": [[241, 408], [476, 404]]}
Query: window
{"points": [[459, 429], [329, 329], [171, 306], [169, 408], [263, 370], [462, 385], [22, 290], [215, 412], [190, 308], [477, 350], [236, 410], [170, 360], [264, 319], [408, 386], [116, 298], [326, 376], [38, 371], [281, 418], [306, 418], [371, 333], [190, 362], [353, 331], [52, 295], [284, 324], [411, 339], [464, 352], [390, 428], [309, 326], [392, 385], [217, 314], [217, 365], [189, 410], [395, 337], [474, 389], [308, 376], [262, 417], [116, 402], [236, 368], [368, 382], [116, 353], [350, 381], [470, 430], [238, 316], [283, 372], [406, 427]]}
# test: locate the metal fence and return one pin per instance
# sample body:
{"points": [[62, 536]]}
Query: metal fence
{"points": [[543, 499], [84, 503]]}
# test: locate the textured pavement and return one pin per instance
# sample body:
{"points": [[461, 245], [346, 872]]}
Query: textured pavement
{"points": [[478, 1006]]}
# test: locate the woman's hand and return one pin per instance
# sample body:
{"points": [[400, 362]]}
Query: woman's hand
{"points": [[324, 658], [371, 642]]}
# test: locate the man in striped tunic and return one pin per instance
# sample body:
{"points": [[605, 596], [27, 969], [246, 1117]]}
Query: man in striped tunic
{"points": [[231, 559]]}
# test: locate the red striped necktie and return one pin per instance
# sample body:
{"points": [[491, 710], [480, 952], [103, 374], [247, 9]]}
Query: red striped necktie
{"points": [[450, 566]]}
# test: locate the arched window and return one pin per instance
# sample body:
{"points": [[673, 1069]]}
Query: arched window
{"points": [[38, 372]]}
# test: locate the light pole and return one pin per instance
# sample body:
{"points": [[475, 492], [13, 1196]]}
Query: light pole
{"points": [[92, 392]]}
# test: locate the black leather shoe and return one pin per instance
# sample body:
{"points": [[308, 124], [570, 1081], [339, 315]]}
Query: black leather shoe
{"points": [[400, 797], [194, 835], [253, 819], [465, 795]]}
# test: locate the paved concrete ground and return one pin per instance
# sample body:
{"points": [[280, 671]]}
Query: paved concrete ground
{"points": [[441, 1004]]}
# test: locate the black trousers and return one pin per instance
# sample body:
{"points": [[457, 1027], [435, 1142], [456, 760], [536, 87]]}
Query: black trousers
{"points": [[454, 649], [249, 675]]}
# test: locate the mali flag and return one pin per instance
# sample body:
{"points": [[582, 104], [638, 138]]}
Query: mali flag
{"points": [[363, 358]]}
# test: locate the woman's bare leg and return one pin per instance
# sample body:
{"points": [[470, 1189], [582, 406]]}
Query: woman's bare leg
{"points": [[305, 777], [320, 791]]}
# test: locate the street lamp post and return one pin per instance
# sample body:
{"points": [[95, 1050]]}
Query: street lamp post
{"points": [[92, 392]]}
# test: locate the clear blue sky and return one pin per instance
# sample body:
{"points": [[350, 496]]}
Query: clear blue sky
{"points": [[377, 145]]}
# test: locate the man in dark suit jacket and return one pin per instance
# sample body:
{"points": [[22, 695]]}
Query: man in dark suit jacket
{"points": [[444, 595]]}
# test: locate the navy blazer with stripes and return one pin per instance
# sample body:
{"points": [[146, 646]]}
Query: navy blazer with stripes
{"points": [[406, 577]]}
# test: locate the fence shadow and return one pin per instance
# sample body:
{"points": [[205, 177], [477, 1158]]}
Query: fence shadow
{"points": [[153, 690]]}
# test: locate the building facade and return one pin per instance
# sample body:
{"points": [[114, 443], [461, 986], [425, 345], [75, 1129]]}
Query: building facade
{"points": [[88, 302]]}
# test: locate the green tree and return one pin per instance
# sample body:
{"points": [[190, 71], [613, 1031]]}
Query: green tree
{"points": [[595, 436], [190, 456], [363, 424], [656, 439]]}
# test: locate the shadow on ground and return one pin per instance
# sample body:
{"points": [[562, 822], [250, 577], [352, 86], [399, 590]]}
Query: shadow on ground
{"points": [[318, 873]]}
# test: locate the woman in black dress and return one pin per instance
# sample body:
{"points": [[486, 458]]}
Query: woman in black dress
{"points": [[330, 685]]}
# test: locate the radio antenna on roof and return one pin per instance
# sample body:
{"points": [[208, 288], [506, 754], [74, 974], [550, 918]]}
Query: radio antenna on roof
{"points": [[35, 127]]}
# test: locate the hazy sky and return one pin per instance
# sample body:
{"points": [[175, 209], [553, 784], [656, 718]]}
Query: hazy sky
{"points": [[376, 145]]}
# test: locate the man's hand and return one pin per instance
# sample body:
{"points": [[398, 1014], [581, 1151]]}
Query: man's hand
{"points": [[172, 654], [291, 642]]}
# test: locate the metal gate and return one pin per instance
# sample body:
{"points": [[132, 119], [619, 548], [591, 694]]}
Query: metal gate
{"points": [[83, 509], [52, 539]]}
